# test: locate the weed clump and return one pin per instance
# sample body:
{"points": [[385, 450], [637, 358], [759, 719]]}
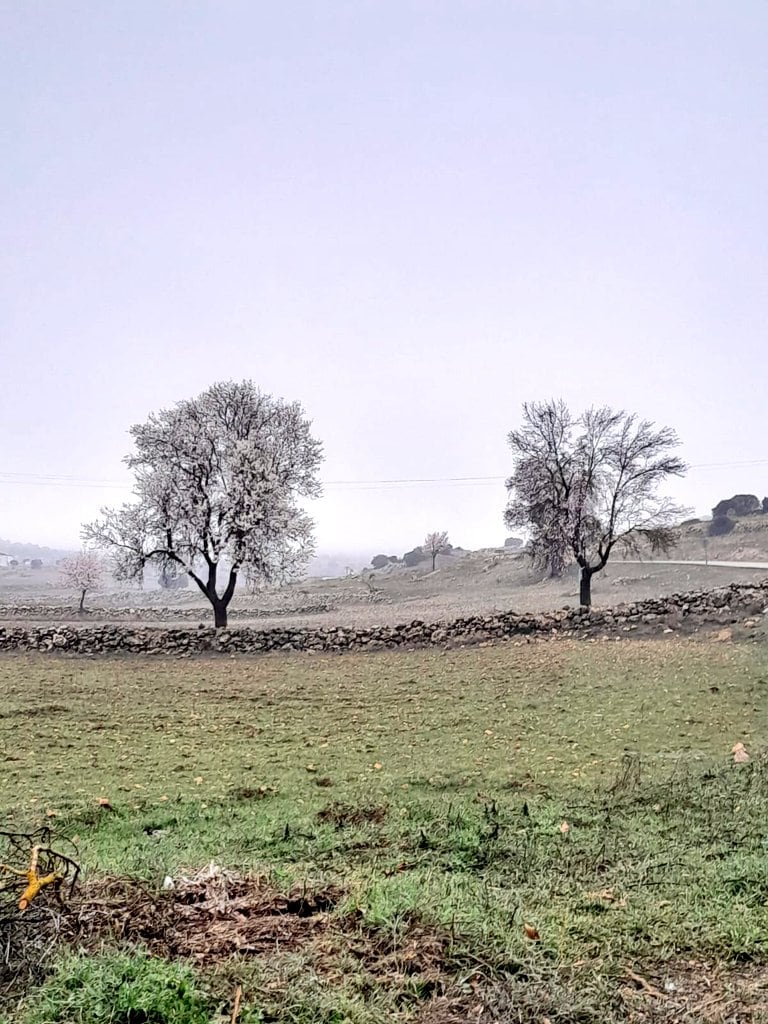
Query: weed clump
{"points": [[120, 988]]}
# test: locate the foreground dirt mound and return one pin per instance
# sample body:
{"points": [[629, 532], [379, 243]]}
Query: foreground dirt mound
{"points": [[206, 918]]}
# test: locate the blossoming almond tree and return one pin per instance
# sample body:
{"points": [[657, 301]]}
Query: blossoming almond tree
{"points": [[435, 544], [218, 484], [83, 573]]}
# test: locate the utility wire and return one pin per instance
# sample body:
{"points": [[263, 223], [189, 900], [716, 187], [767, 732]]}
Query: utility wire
{"points": [[64, 480]]}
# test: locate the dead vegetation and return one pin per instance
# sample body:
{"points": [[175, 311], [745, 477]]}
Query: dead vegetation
{"points": [[208, 917], [341, 815], [219, 919]]}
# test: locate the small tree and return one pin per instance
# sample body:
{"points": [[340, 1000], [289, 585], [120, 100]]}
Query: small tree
{"points": [[582, 485], [435, 544], [218, 483], [83, 573]]}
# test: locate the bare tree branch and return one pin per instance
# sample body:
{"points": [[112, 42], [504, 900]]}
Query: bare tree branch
{"points": [[583, 485]]}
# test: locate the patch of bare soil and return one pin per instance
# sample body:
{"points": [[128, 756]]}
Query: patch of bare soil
{"points": [[687, 992], [697, 993]]}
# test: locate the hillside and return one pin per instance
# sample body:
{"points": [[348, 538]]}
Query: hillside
{"points": [[747, 542]]}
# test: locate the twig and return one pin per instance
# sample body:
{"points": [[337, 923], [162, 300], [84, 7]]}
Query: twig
{"points": [[236, 1007], [646, 986]]}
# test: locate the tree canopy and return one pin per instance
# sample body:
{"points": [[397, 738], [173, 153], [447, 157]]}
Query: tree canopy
{"points": [[582, 484], [83, 572], [218, 482]]}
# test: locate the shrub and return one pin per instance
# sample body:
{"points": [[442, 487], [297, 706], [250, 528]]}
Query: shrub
{"points": [[379, 561], [413, 557], [720, 525]]}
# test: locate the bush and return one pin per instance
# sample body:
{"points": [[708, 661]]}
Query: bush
{"points": [[414, 557], [720, 525], [120, 988], [379, 561]]}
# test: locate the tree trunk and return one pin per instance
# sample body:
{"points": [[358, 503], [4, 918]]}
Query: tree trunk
{"points": [[219, 614], [219, 604], [434, 560], [82, 600], [585, 587]]}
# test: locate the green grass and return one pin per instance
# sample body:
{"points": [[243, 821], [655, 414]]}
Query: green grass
{"points": [[120, 988], [433, 788], [558, 716]]}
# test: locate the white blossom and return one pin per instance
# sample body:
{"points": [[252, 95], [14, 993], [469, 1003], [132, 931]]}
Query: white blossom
{"points": [[83, 572], [218, 483], [435, 544]]}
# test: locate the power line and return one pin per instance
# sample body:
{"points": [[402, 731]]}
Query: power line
{"points": [[65, 480]]}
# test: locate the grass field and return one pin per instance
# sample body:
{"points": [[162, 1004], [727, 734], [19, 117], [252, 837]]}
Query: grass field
{"points": [[548, 831]]}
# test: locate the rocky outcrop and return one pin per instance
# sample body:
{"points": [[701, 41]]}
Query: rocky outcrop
{"points": [[737, 603]]}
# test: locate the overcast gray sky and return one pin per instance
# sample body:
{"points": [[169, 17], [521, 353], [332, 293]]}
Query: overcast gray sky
{"points": [[411, 216]]}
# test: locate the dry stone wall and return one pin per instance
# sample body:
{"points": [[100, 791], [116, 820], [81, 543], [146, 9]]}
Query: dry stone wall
{"points": [[739, 603], [57, 612]]}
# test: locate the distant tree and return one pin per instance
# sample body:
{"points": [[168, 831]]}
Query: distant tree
{"points": [[83, 573], [219, 480], [584, 484], [765, 506], [720, 525], [412, 558], [379, 561], [514, 543], [435, 544], [171, 578], [738, 505]]}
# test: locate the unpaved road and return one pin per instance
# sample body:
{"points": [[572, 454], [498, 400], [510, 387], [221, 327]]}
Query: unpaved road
{"points": [[711, 564]]}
